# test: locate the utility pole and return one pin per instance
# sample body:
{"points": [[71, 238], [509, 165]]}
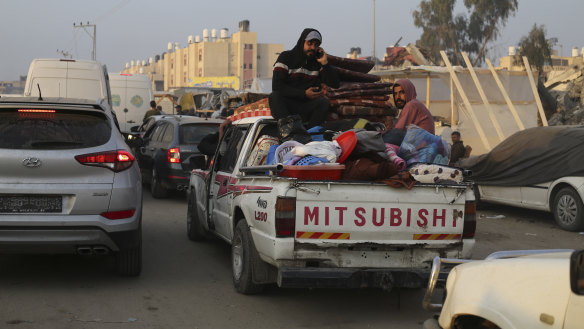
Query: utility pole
{"points": [[373, 55], [84, 27]]}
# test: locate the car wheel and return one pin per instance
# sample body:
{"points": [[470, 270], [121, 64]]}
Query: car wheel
{"points": [[129, 261], [243, 258], [195, 229], [568, 210], [156, 188]]}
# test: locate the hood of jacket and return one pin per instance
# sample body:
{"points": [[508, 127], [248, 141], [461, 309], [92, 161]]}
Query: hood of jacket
{"points": [[408, 87], [298, 50]]}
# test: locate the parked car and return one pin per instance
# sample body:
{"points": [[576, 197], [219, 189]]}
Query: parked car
{"points": [[510, 289], [131, 96], [164, 150], [537, 168], [69, 182]]}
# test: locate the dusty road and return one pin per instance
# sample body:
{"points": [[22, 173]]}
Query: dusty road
{"points": [[188, 285]]}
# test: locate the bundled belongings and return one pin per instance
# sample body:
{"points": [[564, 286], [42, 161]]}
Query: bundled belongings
{"points": [[431, 173], [421, 146], [258, 108], [550, 152], [362, 100]]}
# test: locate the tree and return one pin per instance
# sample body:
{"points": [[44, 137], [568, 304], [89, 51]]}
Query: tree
{"points": [[536, 47], [441, 30]]}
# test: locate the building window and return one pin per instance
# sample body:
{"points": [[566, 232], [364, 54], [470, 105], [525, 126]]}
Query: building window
{"points": [[244, 66], [200, 55], [250, 47], [250, 66], [171, 64], [200, 72], [185, 77], [185, 60], [171, 80]]}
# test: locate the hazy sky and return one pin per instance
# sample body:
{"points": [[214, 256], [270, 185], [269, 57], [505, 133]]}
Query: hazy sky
{"points": [[138, 29]]}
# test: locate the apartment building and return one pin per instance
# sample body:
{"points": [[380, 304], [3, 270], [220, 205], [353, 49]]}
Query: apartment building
{"points": [[215, 60]]}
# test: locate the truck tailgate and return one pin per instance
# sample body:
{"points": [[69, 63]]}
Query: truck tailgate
{"points": [[372, 213]]}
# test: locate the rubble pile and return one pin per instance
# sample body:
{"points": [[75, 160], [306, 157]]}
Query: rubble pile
{"points": [[567, 89]]}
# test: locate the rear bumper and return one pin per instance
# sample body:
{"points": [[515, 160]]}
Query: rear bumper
{"points": [[176, 179], [43, 240], [351, 278]]}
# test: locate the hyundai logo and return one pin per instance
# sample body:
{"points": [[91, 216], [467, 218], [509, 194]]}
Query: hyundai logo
{"points": [[31, 162]]}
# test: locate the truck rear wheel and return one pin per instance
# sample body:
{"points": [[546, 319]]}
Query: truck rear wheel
{"points": [[195, 229], [244, 257], [568, 210]]}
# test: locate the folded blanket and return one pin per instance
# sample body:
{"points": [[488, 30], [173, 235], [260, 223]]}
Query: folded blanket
{"points": [[363, 85], [359, 102], [358, 92], [391, 151], [365, 110]]}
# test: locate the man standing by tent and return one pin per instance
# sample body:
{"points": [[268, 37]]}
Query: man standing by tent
{"points": [[300, 80]]}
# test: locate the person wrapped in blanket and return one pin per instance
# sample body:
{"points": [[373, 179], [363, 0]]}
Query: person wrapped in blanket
{"points": [[412, 112], [300, 80]]}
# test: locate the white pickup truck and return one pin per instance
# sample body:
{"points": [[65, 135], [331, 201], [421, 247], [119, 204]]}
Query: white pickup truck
{"points": [[326, 233]]}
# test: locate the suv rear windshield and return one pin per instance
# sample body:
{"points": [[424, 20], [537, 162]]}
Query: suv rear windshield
{"points": [[192, 134], [60, 129]]}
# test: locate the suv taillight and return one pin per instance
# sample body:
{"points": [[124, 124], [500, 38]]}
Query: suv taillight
{"points": [[470, 220], [116, 161], [173, 155], [121, 214], [285, 217]]}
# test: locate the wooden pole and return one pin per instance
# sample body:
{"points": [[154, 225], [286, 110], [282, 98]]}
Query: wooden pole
{"points": [[466, 101], [428, 92], [453, 113], [483, 96], [505, 95], [535, 93]]}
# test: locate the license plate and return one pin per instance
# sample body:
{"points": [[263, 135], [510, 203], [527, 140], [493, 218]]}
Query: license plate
{"points": [[31, 203]]}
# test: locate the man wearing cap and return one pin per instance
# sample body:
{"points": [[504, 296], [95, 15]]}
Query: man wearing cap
{"points": [[300, 80]]}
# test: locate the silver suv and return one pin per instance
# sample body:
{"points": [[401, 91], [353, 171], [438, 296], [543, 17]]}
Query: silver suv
{"points": [[68, 182]]}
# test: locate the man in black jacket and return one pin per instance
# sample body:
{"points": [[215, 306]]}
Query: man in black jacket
{"points": [[300, 81]]}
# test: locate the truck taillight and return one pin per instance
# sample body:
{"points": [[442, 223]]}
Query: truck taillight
{"points": [[173, 155], [116, 161], [285, 217], [470, 220]]}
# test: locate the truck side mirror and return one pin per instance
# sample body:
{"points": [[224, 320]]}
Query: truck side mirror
{"points": [[197, 161], [577, 272]]}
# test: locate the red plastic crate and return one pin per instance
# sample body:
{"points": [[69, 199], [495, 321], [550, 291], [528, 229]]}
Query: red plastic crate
{"points": [[314, 172]]}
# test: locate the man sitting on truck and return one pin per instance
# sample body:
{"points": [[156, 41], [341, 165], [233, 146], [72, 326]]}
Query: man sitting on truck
{"points": [[300, 81], [412, 110]]}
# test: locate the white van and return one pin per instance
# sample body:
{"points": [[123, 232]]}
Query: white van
{"points": [[68, 78], [131, 96]]}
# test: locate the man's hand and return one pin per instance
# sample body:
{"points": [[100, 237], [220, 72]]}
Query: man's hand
{"points": [[314, 92], [323, 59]]}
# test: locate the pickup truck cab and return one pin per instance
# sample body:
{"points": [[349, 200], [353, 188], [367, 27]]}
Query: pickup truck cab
{"points": [[539, 289], [323, 233]]}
